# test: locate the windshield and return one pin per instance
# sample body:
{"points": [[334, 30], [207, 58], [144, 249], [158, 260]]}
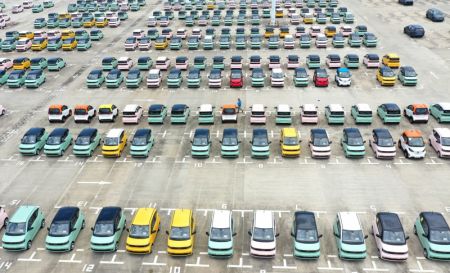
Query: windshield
{"points": [[54, 140], [290, 141], [59, 229], [277, 75], [445, 141], [214, 76], [193, 75], [111, 141], [84, 140], [139, 141], [133, 75], [153, 76], [344, 74], [28, 140], [354, 237], [355, 141], [257, 74], [306, 236], [113, 76], [104, 229], [410, 73], [321, 74], [415, 142], [394, 237], [321, 141], [14, 229], [260, 141], [32, 76], [220, 234], [92, 76], [263, 234], [235, 75], [180, 233], [441, 237], [173, 75], [200, 141], [14, 76], [137, 231], [229, 141], [385, 142]]}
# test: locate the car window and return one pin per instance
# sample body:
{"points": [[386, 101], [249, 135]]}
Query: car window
{"points": [[380, 228], [32, 219], [153, 222], [338, 226], [436, 135], [425, 226]]}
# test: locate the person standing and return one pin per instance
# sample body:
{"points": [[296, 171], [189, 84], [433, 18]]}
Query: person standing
{"points": [[239, 105]]}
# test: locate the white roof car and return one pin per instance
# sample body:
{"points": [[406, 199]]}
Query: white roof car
{"points": [[445, 105], [283, 108], [309, 107], [205, 108], [349, 221], [221, 219], [335, 107], [130, 108], [124, 59], [258, 108], [115, 132], [161, 59], [363, 107], [263, 219], [443, 132]]}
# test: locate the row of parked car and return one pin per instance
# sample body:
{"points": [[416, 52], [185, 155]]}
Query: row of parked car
{"points": [[78, 20], [431, 229]]}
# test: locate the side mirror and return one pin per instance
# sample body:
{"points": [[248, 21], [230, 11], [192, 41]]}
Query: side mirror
{"points": [[278, 234], [239, 141], [207, 233], [407, 238], [167, 232], [234, 234], [378, 235], [337, 235], [424, 235], [366, 236], [249, 233], [48, 228], [292, 234], [193, 232], [220, 141], [270, 142], [320, 236], [92, 228], [330, 141], [251, 142], [364, 141], [128, 230], [191, 141]]}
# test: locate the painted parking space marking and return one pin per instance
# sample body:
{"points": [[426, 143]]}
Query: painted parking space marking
{"points": [[240, 265], [71, 260], [374, 268], [30, 259], [155, 262], [112, 261], [284, 266], [197, 264], [420, 267]]}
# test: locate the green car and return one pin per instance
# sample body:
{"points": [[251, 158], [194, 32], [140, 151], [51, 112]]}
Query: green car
{"points": [[156, 114], [95, 79], [208, 43], [200, 62], [206, 114], [407, 76], [313, 61], [389, 113], [348, 18], [321, 18], [216, 20], [224, 42], [142, 143], [255, 41], [361, 30], [352, 143], [58, 142], [64, 229], [182, 15], [193, 43], [72, 7], [55, 64], [260, 144], [370, 40], [96, 35], [81, 34], [228, 21], [335, 18], [354, 40], [305, 41], [258, 77], [255, 20], [351, 61], [189, 21], [108, 229], [84, 44], [135, 6], [16, 78], [134, 78], [34, 78], [334, 113], [109, 63], [114, 78], [301, 77], [9, 45], [65, 23], [14, 34], [201, 143], [283, 114], [86, 142], [274, 42], [433, 232], [53, 22], [194, 78], [230, 143], [218, 62], [179, 113], [33, 141], [144, 63], [362, 114], [241, 42], [37, 8], [49, 4], [241, 20], [441, 112], [3, 77], [40, 23], [122, 15], [350, 239], [38, 63], [338, 40], [175, 43], [23, 228], [220, 235], [305, 237], [266, 13], [54, 44], [174, 78]]}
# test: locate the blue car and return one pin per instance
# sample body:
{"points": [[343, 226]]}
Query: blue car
{"points": [[414, 31]]}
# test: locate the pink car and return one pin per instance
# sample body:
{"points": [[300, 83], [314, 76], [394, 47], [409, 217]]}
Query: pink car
{"points": [[5, 63], [390, 237], [124, 63], [258, 114], [309, 114], [3, 218], [371, 60], [132, 113], [440, 141], [162, 63]]}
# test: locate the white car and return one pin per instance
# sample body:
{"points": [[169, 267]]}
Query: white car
{"points": [[162, 63], [309, 114], [196, 32], [321, 40], [371, 60], [229, 113], [319, 143], [138, 33], [263, 234], [154, 78], [5, 63], [114, 21], [58, 113], [182, 33], [2, 110], [440, 141], [107, 113], [277, 77], [84, 113], [131, 43], [412, 144], [5, 16], [289, 42], [28, 4], [23, 44], [258, 114], [17, 9], [382, 144], [124, 63], [132, 113], [417, 113], [151, 21], [40, 34], [53, 34]]}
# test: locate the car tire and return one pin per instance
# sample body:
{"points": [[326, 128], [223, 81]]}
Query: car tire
{"points": [[405, 153], [439, 154], [83, 224], [5, 222], [116, 246], [28, 245], [42, 224], [72, 246], [425, 253]]}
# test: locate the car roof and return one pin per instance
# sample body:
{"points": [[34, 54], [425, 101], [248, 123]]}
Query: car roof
{"points": [[142, 58], [22, 213], [181, 58], [277, 70], [155, 107], [435, 220], [236, 58], [263, 219], [130, 107], [124, 59], [319, 132], [290, 132], [205, 108], [201, 132], [105, 106], [221, 219], [309, 107], [181, 218], [343, 69], [114, 132], [65, 214], [283, 108], [108, 213], [412, 133], [373, 56], [419, 105], [382, 133], [335, 107], [259, 132], [87, 132], [142, 132], [352, 132], [143, 216], [59, 131], [443, 132], [179, 106], [230, 132], [349, 221], [255, 57], [391, 106], [392, 55], [162, 58], [305, 220], [258, 107], [390, 221], [34, 131], [363, 107]]}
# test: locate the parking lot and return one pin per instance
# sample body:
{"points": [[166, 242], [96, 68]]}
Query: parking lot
{"points": [[170, 178]]}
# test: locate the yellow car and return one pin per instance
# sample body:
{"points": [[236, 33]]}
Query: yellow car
{"points": [[26, 34], [308, 19], [391, 60], [101, 22], [386, 76], [279, 13], [67, 34], [39, 44], [161, 43], [21, 63], [114, 143], [284, 30], [143, 230], [289, 142], [269, 32], [69, 44], [182, 233], [330, 31], [64, 16], [90, 22], [210, 6]]}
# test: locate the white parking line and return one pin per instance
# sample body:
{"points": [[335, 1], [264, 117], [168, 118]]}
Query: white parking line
{"points": [[421, 270], [434, 75], [72, 260], [155, 262], [284, 266], [330, 267], [240, 265], [375, 268], [113, 261], [197, 264], [94, 182], [31, 259]]}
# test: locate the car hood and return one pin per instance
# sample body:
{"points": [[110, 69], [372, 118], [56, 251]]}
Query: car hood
{"points": [[220, 245], [307, 247], [354, 248], [439, 248], [102, 240], [110, 148], [81, 147], [56, 240], [139, 148], [27, 146], [260, 148], [200, 148], [321, 148], [395, 248], [13, 239]]}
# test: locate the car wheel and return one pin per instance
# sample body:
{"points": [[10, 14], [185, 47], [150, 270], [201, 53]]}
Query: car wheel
{"points": [[415, 230], [3, 112], [405, 152], [6, 221], [43, 223], [90, 153], [83, 225], [425, 253], [72, 245], [29, 245], [439, 154], [116, 246]]}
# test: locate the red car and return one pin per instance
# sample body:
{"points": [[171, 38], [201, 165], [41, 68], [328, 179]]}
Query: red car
{"points": [[320, 77], [236, 78]]}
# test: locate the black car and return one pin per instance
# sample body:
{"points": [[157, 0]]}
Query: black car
{"points": [[435, 15], [406, 2], [305, 228], [414, 31]]}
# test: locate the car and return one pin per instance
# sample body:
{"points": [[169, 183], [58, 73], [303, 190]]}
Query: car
{"points": [[3, 77], [215, 78], [273, 42], [84, 113], [48, 4], [333, 61], [230, 143], [236, 62], [54, 22], [58, 142], [38, 44], [418, 112], [109, 63], [320, 78], [144, 63], [154, 78], [181, 63], [229, 113], [313, 61], [263, 234], [65, 229], [157, 113], [236, 78], [414, 31], [181, 237], [33, 141], [435, 15], [382, 144], [369, 40], [391, 60], [407, 76], [141, 144], [143, 230], [321, 41], [390, 237], [343, 77], [201, 143], [5, 63], [84, 44], [34, 78], [40, 23], [314, 31], [361, 113], [131, 43], [124, 63], [161, 43], [16, 78], [274, 61], [406, 2], [132, 113], [305, 41], [283, 114], [206, 114], [335, 18], [350, 238], [260, 144], [220, 234], [351, 60], [352, 143], [277, 77], [114, 78], [330, 31], [257, 114], [338, 40], [385, 76], [256, 42], [108, 228], [439, 140], [22, 228], [24, 44], [95, 78], [174, 78], [69, 44], [96, 35], [224, 42], [389, 113], [179, 114], [354, 40], [107, 112], [441, 112], [162, 63], [114, 21], [319, 143], [114, 143], [54, 44], [305, 236], [371, 60], [433, 233], [334, 113], [55, 64], [301, 77], [9, 45], [133, 78], [17, 9], [412, 145], [290, 142]]}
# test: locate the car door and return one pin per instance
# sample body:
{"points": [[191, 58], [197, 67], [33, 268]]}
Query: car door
{"points": [[154, 226], [337, 230], [33, 225], [422, 233], [193, 231], [117, 232], [378, 231], [435, 140]]}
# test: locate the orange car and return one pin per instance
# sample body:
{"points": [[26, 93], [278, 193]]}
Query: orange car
{"points": [[229, 113], [417, 112]]}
